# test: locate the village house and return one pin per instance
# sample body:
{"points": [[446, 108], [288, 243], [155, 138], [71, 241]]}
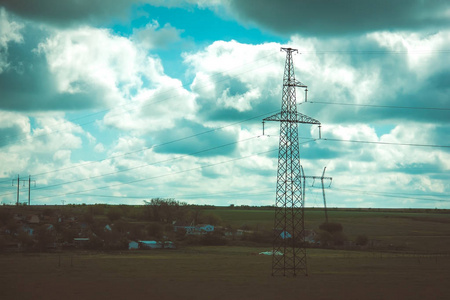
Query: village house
{"points": [[33, 219], [156, 245], [199, 229]]}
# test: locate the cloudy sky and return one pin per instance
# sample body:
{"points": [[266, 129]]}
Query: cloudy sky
{"points": [[118, 101]]}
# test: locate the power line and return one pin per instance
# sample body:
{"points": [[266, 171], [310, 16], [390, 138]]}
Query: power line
{"points": [[155, 146], [378, 142], [149, 164], [168, 174], [391, 195], [184, 196], [143, 149], [382, 106], [377, 52], [385, 143]]}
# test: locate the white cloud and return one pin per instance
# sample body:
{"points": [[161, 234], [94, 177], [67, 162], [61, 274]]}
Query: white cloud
{"points": [[99, 148], [9, 32], [423, 50], [231, 81], [235, 76], [87, 59], [154, 109]]}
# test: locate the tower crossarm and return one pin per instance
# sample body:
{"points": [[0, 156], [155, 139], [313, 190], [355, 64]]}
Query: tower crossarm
{"points": [[318, 177], [295, 83], [296, 118]]}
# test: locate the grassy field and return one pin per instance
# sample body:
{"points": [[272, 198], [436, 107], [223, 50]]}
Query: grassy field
{"points": [[416, 267], [221, 273], [408, 230]]}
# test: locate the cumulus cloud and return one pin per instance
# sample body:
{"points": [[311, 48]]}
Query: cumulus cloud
{"points": [[92, 60], [233, 80], [319, 18], [13, 127], [50, 75], [368, 77], [46, 146], [76, 69], [68, 67], [10, 31]]}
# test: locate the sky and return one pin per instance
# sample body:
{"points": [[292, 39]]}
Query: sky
{"points": [[122, 101]]}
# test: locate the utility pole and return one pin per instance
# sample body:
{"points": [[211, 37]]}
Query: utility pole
{"points": [[322, 178], [289, 253], [29, 187]]}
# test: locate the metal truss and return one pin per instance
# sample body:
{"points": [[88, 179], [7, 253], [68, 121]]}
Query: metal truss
{"points": [[289, 253]]}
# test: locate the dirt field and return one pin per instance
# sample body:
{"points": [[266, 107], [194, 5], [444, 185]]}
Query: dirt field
{"points": [[221, 273]]}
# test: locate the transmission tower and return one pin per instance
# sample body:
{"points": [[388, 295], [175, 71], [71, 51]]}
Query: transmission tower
{"points": [[322, 178], [289, 253]]}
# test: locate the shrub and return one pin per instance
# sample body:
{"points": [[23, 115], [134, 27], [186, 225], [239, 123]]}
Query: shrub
{"points": [[339, 238], [213, 240], [361, 240], [331, 227]]}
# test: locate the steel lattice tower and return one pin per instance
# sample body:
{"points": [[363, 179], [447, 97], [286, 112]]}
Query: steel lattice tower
{"points": [[289, 203]]}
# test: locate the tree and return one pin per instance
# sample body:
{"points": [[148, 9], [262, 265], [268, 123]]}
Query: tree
{"points": [[361, 240], [97, 209], [162, 210], [331, 227], [331, 233], [155, 230], [211, 218]]}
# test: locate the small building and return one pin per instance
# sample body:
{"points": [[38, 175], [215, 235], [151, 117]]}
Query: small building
{"points": [[149, 245], [28, 229], [156, 245], [285, 235], [310, 236], [194, 230], [33, 219], [80, 242], [241, 232], [205, 228], [133, 245]]}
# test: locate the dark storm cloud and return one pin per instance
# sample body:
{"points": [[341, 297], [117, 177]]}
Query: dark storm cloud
{"points": [[325, 17], [68, 12], [28, 84]]}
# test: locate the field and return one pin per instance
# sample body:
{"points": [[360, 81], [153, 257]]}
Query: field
{"points": [[222, 273], [415, 265], [423, 231]]}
